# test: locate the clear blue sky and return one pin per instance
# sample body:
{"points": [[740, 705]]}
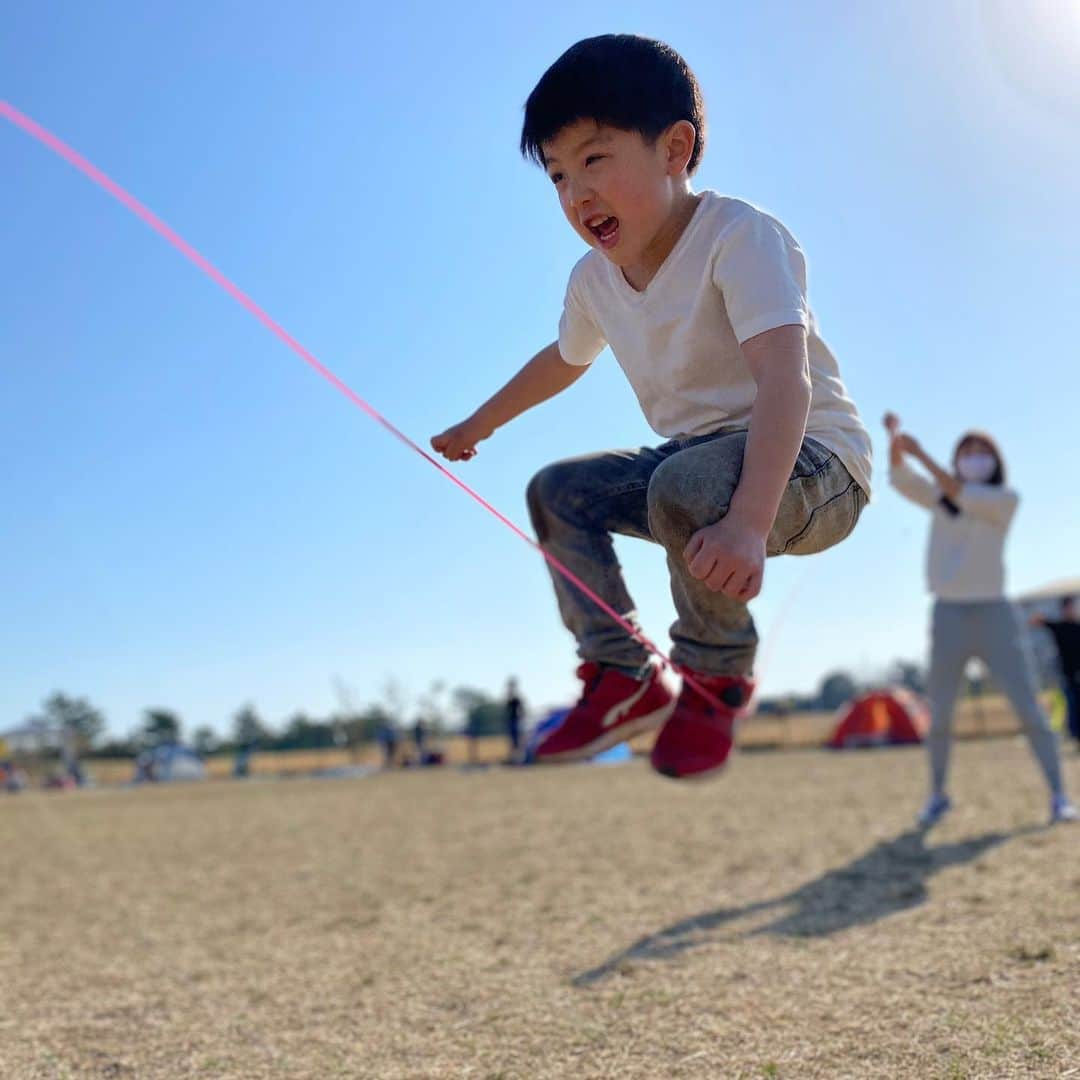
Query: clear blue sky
{"points": [[193, 519]]}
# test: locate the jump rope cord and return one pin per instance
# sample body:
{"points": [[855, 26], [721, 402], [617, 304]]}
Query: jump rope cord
{"points": [[60, 148]]}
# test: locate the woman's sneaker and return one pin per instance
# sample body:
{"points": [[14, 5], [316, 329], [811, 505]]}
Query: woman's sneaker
{"points": [[613, 707], [937, 806], [697, 740], [1061, 811]]}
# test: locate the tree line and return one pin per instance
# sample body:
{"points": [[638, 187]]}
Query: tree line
{"points": [[840, 686], [439, 710], [84, 727]]}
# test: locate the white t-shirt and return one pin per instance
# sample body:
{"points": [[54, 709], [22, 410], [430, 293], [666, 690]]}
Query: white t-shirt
{"points": [[735, 272], [966, 558]]}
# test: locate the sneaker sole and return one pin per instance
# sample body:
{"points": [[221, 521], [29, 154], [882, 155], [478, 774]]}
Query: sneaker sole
{"points": [[701, 777], [928, 823], [630, 730]]}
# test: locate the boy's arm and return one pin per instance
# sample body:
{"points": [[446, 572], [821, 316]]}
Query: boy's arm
{"points": [[730, 555], [544, 376], [778, 362]]}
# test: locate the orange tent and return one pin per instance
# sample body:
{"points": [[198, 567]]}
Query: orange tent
{"points": [[880, 718]]}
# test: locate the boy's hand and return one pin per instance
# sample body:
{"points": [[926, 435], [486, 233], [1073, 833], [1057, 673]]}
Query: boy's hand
{"points": [[729, 557], [458, 443]]}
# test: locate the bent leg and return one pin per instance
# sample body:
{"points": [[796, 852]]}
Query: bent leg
{"points": [[691, 489]]}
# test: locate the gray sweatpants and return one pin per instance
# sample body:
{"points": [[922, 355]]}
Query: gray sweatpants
{"points": [[990, 630]]}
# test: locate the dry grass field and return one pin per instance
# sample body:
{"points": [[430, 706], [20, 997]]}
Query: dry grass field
{"points": [[547, 923], [990, 717]]}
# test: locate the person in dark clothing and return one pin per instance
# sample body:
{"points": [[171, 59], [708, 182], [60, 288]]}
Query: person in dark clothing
{"points": [[388, 739], [515, 709], [472, 736], [1066, 634], [419, 737]]}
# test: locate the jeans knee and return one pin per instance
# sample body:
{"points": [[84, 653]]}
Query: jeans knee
{"points": [[538, 495], [552, 493], [679, 504]]}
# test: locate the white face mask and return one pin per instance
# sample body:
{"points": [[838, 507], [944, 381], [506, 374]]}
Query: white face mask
{"points": [[976, 468]]}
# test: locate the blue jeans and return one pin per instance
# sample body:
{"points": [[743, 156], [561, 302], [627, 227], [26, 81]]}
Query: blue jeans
{"points": [[666, 494]]}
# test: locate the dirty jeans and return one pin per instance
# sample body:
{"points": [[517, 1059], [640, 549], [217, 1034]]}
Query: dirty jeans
{"points": [[665, 494]]}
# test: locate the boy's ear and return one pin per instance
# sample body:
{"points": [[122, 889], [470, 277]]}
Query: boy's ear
{"points": [[678, 142]]}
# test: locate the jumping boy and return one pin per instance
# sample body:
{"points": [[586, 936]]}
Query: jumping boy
{"points": [[702, 299]]}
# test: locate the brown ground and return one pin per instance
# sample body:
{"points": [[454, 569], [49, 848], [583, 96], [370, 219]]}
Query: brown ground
{"points": [[547, 923]]}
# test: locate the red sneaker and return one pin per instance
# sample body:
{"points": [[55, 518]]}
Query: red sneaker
{"points": [[697, 740], [613, 708]]}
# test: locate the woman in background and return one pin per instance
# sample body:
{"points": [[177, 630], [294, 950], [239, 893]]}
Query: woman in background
{"points": [[972, 509]]}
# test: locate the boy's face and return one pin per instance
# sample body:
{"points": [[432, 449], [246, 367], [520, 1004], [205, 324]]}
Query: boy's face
{"points": [[616, 190]]}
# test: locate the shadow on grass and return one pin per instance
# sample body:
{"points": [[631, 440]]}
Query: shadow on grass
{"points": [[889, 878]]}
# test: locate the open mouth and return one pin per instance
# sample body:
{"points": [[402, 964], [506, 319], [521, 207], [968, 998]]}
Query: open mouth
{"points": [[605, 229]]}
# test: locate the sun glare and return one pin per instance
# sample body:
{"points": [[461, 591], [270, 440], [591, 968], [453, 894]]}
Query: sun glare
{"points": [[1036, 47]]}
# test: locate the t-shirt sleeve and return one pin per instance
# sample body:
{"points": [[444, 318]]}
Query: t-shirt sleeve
{"points": [[989, 502], [761, 273], [580, 339]]}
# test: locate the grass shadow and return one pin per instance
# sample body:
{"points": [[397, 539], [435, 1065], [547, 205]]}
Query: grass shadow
{"points": [[889, 878]]}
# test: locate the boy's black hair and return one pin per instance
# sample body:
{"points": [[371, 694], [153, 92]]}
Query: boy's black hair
{"points": [[622, 80]]}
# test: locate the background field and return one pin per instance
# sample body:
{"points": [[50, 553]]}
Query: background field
{"points": [[990, 716], [547, 923]]}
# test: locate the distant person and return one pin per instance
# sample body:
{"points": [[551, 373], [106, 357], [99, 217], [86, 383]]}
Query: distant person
{"points": [[71, 767], [472, 736], [1066, 633], [146, 768], [515, 710], [388, 739], [419, 737], [74, 771], [972, 509], [12, 777], [7, 768], [242, 762]]}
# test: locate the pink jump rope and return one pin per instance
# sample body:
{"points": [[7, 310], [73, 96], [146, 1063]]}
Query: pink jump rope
{"points": [[47, 139]]}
